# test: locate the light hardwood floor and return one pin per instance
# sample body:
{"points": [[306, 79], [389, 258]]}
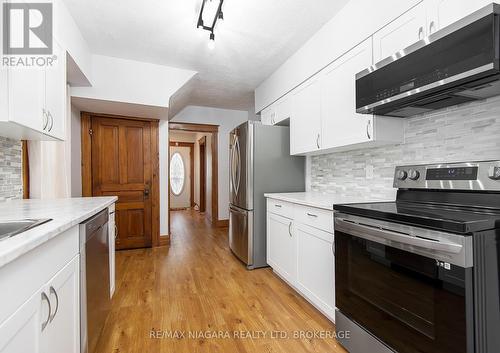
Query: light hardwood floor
{"points": [[196, 285]]}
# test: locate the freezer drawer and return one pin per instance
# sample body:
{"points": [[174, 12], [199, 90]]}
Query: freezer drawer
{"points": [[241, 234]]}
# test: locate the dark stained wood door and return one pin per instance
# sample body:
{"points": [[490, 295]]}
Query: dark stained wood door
{"points": [[122, 166]]}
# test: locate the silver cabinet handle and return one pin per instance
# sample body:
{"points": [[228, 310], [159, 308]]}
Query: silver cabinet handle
{"points": [[312, 215], [45, 119], [44, 324], [333, 250], [290, 229], [368, 125], [116, 232], [317, 141], [51, 121], [421, 33], [279, 206], [53, 291], [432, 27]]}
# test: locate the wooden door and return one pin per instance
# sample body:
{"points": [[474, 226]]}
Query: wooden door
{"points": [[122, 166]]}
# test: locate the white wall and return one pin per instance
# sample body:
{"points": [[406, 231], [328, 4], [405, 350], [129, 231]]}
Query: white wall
{"points": [[227, 120], [352, 25], [121, 80], [76, 153], [69, 36]]}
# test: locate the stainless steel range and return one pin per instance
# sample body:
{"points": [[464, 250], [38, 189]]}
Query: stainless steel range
{"points": [[421, 274]]}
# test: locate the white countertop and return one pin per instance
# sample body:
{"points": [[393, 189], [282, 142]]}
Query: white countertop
{"points": [[65, 213], [320, 200]]}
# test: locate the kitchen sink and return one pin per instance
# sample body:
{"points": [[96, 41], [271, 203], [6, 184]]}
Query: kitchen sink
{"points": [[10, 228]]}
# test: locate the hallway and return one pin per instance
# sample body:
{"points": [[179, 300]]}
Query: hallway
{"points": [[195, 285]]}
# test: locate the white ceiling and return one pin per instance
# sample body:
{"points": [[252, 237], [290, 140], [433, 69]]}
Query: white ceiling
{"points": [[255, 38]]}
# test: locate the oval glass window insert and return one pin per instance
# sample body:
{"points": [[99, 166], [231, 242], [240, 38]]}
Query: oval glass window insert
{"points": [[177, 174]]}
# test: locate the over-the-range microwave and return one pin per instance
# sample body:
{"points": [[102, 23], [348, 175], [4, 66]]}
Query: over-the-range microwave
{"points": [[457, 64]]}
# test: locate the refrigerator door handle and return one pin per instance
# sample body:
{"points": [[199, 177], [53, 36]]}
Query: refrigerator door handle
{"points": [[232, 163], [237, 177]]}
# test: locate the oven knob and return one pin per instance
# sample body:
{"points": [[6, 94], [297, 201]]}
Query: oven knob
{"points": [[494, 173], [414, 174], [402, 175]]}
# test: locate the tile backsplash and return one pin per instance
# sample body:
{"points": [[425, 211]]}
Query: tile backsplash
{"points": [[11, 184], [465, 133]]}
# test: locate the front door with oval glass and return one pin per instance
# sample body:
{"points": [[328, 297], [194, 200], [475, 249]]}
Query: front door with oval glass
{"points": [[180, 177]]}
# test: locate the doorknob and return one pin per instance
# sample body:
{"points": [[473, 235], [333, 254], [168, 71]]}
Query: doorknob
{"points": [[146, 193]]}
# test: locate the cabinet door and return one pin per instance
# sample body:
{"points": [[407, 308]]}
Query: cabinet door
{"points": [[305, 124], [21, 332], [340, 124], [62, 334], [445, 12], [55, 96], [283, 109], [26, 96], [315, 264], [266, 116], [281, 246], [400, 33]]}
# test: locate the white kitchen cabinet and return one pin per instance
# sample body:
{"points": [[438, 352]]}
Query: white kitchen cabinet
{"points": [[400, 33], [281, 246], [305, 122], [34, 100], [62, 333], [315, 264], [340, 124], [268, 115], [283, 109], [112, 230], [442, 13], [55, 95], [42, 314], [21, 333], [300, 250]]}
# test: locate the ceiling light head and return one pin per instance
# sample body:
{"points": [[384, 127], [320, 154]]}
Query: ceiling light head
{"points": [[211, 42]]}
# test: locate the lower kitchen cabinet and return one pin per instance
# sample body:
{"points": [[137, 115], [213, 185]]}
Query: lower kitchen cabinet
{"points": [[300, 250], [282, 246], [40, 313], [22, 332], [315, 267], [62, 331]]}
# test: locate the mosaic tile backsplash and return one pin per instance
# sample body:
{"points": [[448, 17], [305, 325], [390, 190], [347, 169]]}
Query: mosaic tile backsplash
{"points": [[469, 132], [11, 184]]}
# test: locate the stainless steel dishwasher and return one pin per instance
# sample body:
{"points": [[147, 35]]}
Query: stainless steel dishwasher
{"points": [[95, 300]]}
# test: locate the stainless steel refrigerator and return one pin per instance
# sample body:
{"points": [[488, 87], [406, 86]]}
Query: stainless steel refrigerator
{"points": [[259, 163]]}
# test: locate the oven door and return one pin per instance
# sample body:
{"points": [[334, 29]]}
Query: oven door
{"points": [[387, 284]]}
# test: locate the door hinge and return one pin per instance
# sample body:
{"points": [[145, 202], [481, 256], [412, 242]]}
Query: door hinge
{"points": [[91, 132]]}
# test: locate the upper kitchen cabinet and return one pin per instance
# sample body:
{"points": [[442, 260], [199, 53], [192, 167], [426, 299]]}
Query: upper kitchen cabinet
{"points": [[268, 115], [35, 100], [340, 123], [401, 33], [324, 117], [305, 123], [277, 112], [55, 95], [442, 13]]}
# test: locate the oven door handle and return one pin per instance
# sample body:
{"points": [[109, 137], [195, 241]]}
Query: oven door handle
{"points": [[378, 235]]}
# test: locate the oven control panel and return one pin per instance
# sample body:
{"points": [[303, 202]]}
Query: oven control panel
{"points": [[456, 176]]}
